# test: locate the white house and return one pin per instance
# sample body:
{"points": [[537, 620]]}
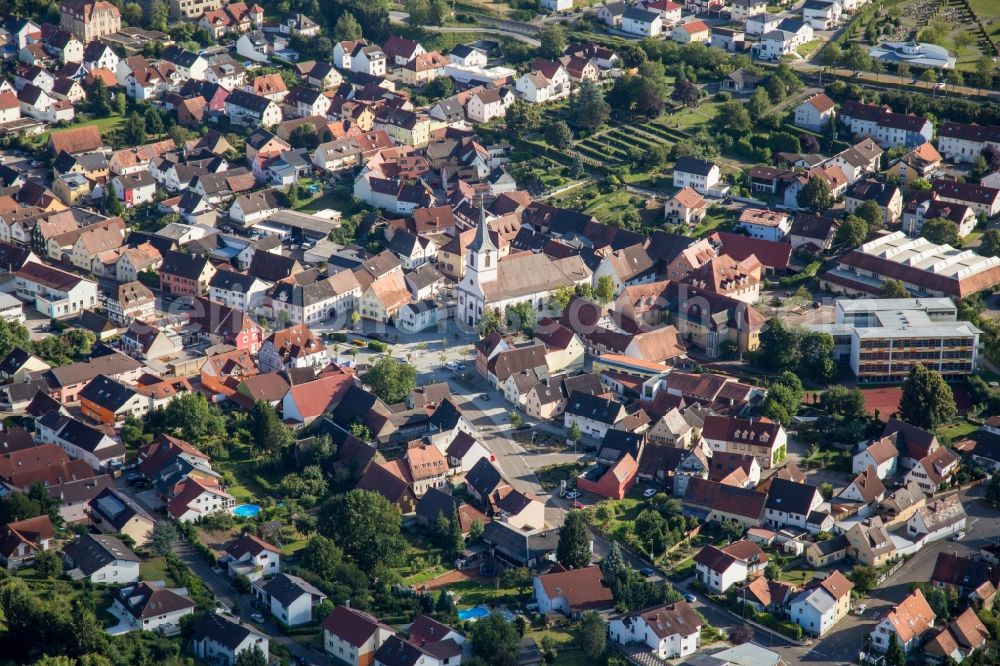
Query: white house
{"points": [[252, 557], [700, 175], [815, 113], [814, 610], [546, 82], [789, 503], [909, 621], [289, 598], [557, 5], [933, 470], [352, 636], [671, 631], [101, 558], [881, 455], [766, 224], [937, 520], [464, 451], [80, 440], [369, 60], [638, 21], [488, 103], [468, 56], [594, 415], [237, 290], [718, 570], [146, 607], [216, 640], [821, 14]]}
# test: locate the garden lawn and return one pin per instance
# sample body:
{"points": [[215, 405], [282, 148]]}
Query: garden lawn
{"points": [[155, 569], [104, 125], [337, 199], [956, 431]]}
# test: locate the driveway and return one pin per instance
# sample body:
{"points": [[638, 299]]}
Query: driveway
{"points": [[218, 584]]}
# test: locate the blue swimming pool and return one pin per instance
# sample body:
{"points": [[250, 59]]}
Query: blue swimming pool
{"points": [[246, 510], [473, 613]]}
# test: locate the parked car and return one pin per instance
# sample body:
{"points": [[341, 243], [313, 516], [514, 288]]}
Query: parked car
{"points": [[690, 598], [647, 571], [524, 426], [648, 492], [860, 609], [958, 537], [577, 504], [257, 617], [573, 494]]}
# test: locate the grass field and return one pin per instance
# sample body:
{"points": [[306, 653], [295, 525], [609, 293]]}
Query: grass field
{"points": [[155, 569], [337, 199]]}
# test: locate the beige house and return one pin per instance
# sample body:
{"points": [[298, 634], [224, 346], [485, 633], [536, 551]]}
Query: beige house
{"points": [[111, 512], [384, 297], [520, 511], [868, 542], [564, 350], [685, 207], [27, 364], [89, 20], [672, 429]]}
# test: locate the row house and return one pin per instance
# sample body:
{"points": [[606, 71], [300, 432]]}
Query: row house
{"points": [[247, 109], [888, 128], [54, 293], [961, 142], [309, 302]]}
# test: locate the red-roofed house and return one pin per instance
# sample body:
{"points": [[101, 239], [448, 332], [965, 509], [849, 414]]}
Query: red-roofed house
{"points": [[21, 541], [612, 481], [306, 402], [252, 557], [572, 592], [353, 636], [692, 32], [196, 498], [815, 113]]}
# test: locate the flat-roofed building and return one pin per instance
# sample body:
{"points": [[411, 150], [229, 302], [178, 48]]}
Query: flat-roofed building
{"points": [[884, 338]]}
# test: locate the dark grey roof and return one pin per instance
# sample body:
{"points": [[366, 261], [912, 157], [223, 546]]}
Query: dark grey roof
{"points": [[484, 477], [287, 588], [14, 360], [437, 501], [790, 497], [232, 281], [106, 392], [693, 165], [116, 508], [91, 552], [397, 652], [217, 629], [179, 56], [593, 407], [516, 545]]}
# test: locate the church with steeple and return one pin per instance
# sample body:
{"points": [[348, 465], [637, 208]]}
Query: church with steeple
{"points": [[490, 283]]}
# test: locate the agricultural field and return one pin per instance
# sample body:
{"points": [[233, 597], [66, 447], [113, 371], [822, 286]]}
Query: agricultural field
{"points": [[611, 146]]}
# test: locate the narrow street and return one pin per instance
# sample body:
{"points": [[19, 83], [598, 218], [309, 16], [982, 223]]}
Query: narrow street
{"points": [[219, 585]]}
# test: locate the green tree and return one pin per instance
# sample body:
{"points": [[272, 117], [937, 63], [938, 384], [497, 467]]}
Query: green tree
{"points": [[815, 196], [856, 57], [865, 578], [251, 657], [361, 431], [366, 526], [852, 232], [894, 654], [476, 530], [989, 243], [189, 417], [391, 379], [893, 289], [872, 214], [573, 550], [573, 433], [321, 556], [558, 135], [518, 578], [759, 104], [419, 11], [347, 28], [438, 88], [515, 418], [48, 564], [112, 206], [553, 41], [604, 290], [593, 636], [490, 322], [13, 334], [120, 104], [779, 347], [844, 403], [522, 118], [941, 231], [153, 122], [733, 119], [158, 14], [816, 351], [266, 429], [440, 13], [495, 640], [134, 131], [590, 110], [162, 538], [927, 401], [521, 317]]}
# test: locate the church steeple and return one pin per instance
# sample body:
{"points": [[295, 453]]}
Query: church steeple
{"points": [[482, 241]]}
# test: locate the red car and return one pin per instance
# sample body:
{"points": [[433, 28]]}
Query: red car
{"points": [[577, 504]]}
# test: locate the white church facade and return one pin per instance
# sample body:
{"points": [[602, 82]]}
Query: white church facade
{"points": [[523, 276]]}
